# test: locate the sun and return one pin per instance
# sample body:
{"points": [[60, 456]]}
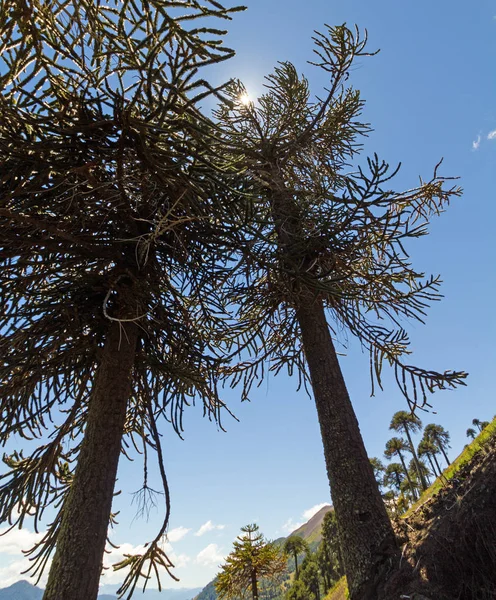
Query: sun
{"points": [[245, 99]]}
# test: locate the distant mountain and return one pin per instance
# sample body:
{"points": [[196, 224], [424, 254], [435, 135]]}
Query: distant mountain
{"points": [[23, 590], [154, 594], [311, 531]]}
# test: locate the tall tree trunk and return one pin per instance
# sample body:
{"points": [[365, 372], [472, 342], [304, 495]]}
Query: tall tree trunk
{"points": [[415, 458], [254, 584], [76, 568], [432, 464], [410, 482], [368, 542], [441, 447], [437, 464], [296, 565]]}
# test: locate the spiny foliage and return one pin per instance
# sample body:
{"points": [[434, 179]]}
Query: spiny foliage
{"points": [[107, 178], [324, 228], [252, 559]]}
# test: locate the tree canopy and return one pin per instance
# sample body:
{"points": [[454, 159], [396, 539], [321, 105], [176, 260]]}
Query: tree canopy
{"points": [[114, 218]]}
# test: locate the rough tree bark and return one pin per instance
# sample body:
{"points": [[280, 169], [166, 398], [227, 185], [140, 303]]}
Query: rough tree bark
{"points": [[368, 543], [86, 511]]}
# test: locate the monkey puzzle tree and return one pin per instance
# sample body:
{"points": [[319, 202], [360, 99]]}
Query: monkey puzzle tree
{"points": [[408, 422], [310, 576], [427, 448], [326, 250], [396, 447], [394, 476], [440, 437], [413, 471], [114, 219], [295, 545], [252, 559], [331, 542], [379, 470], [471, 433]]}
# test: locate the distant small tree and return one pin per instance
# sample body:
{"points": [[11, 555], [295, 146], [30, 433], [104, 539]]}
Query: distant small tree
{"points": [[477, 424], [327, 565], [295, 545], [440, 437], [471, 433], [409, 423], [310, 575], [394, 476], [330, 537], [396, 447], [299, 591], [430, 450], [379, 470], [252, 558], [412, 469]]}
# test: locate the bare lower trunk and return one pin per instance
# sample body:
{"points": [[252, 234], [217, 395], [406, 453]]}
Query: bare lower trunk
{"points": [[432, 465], [297, 575], [441, 447], [367, 540], [418, 468], [410, 482], [437, 465], [76, 568], [254, 584]]}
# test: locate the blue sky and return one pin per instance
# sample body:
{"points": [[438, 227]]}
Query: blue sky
{"points": [[430, 93]]}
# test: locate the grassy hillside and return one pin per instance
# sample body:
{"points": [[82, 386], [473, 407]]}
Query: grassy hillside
{"points": [[437, 494], [339, 591], [463, 459]]}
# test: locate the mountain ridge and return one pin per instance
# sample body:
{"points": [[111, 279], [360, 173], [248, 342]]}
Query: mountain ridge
{"points": [[23, 590]]}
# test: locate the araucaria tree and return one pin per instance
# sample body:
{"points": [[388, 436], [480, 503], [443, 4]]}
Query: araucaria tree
{"points": [[408, 422], [293, 546], [438, 435], [252, 559], [397, 447], [113, 223], [327, 249]]}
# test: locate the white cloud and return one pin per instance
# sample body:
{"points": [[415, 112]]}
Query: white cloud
{"points": [[210, 556], [13, 563], [491, 135], [17, 540], [309, 513], [174, 535], [476, 143], [291, 526], [208, 526]]}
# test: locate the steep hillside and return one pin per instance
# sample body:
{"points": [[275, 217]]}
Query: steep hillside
{"points": [[311, 531], [449, 534]]}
